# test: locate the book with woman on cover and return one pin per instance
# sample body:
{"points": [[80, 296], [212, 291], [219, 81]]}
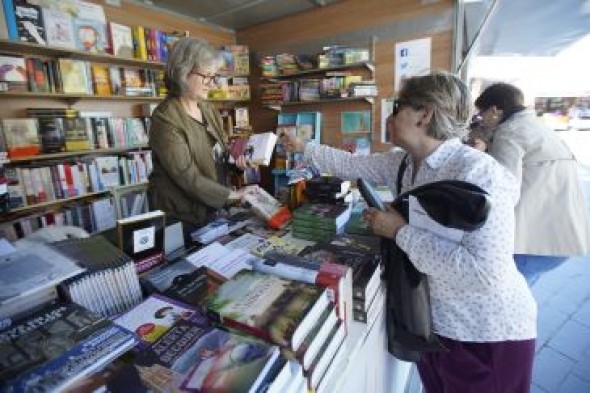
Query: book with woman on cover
{"points": [[274, 309]]}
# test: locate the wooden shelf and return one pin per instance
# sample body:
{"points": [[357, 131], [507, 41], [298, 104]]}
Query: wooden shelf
{"points": [[20, 48], [367, 64], [324, 101], [65, 154], [75, 97]]}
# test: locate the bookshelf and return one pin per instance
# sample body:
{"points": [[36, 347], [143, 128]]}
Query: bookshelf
{"points": [[67, 154], [361, 64], [42, 205]]}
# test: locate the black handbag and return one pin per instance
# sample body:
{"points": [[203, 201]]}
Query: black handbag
{"points": [[452, 203]]}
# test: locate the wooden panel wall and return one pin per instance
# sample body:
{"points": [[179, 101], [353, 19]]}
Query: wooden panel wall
{"points": [[352, 22], [131, 14]]}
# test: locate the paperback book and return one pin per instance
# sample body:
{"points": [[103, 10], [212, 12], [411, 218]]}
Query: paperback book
{"points": [[59, 28], [279, 311], [29, 23]]}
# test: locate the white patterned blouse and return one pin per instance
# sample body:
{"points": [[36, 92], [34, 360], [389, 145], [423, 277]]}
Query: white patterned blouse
{"points": [[477, 294]]}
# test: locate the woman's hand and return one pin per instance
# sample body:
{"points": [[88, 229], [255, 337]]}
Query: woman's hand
{"points": [[385, 224], [293, 144], [239, 195]]}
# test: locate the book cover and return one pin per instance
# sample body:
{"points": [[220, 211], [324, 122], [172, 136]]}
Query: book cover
{"points": [[90, 35], [329, 216], [355, 122], [21, 136], [269, 209], [32, 269], [74, 76], [154, 316], [274, 309], [54, 347], [76, 134], [260, 148], [13, 73], [29, 23], [108, 171], [59, 28], [121, 40], [101, 82], [8, 29], [51, 130], [142, 238], [188, 355]]}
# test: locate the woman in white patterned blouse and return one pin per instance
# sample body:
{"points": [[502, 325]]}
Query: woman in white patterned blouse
{"points": [[482, 309]]}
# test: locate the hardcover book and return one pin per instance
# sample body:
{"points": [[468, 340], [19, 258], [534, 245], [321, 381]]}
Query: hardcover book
{"points": [[29, 22], [257, 148], [277, 310], [101, 80], [56, 346], [59, 28], [21, 136], [142, 238]]}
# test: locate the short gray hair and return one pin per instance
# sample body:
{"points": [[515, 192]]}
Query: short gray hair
{"points": [[188, 54], [447, 96]]}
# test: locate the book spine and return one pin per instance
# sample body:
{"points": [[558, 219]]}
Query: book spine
{"points": [[9, 15]]}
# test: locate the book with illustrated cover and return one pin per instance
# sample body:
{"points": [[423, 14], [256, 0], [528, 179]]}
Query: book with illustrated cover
{"points": [[53, 348], [121, 40], [279, 311], [21, 136], [101, 80], [13, 73], [76, 134], [51, 130], [29, 23], [180, 352], [183, 281], [90, 35], [59, 28], [74, 76], [108, 171], [322, 215], [142, 238], [268, 208]]}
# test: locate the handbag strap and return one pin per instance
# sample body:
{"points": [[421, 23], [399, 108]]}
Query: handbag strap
{"points": [[400, 173]]}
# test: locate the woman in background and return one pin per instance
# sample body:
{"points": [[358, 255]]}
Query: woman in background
{"points": [[190, 178], [551, 216], [482, 310]]}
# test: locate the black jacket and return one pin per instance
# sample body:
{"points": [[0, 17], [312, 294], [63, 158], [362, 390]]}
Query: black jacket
{"points": [[451, 203]]}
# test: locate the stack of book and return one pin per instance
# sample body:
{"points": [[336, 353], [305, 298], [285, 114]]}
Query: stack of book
{"points": [[180, 351], [361, 254], [326, 189], [320, 221]]}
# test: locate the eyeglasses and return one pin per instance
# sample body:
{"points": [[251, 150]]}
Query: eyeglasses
{"points": [[209, 79], [398, 104]]}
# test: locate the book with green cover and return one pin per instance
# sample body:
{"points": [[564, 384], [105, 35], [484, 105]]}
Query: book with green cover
{"points": [[327, 215], [269, 307]]}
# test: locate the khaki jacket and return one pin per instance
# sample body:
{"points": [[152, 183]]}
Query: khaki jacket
{"points": [[551, 215], [184, 181]]}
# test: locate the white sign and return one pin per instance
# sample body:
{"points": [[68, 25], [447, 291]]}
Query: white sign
{"points": [[411, 58], [144, 239]]}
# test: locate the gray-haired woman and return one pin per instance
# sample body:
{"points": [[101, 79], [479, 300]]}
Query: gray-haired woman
{"points": [[190, 177], [482, 309]]}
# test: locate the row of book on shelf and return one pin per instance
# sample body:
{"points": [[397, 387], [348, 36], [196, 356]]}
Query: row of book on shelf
{"points": [[31, 184], [332, 56], [52, 130], [335, 85], [254, 310], [71, 76], [83, 26]]}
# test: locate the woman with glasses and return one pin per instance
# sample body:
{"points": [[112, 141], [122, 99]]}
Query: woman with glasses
{"points": [[551, 216], [482, 309], [190, 177]]}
